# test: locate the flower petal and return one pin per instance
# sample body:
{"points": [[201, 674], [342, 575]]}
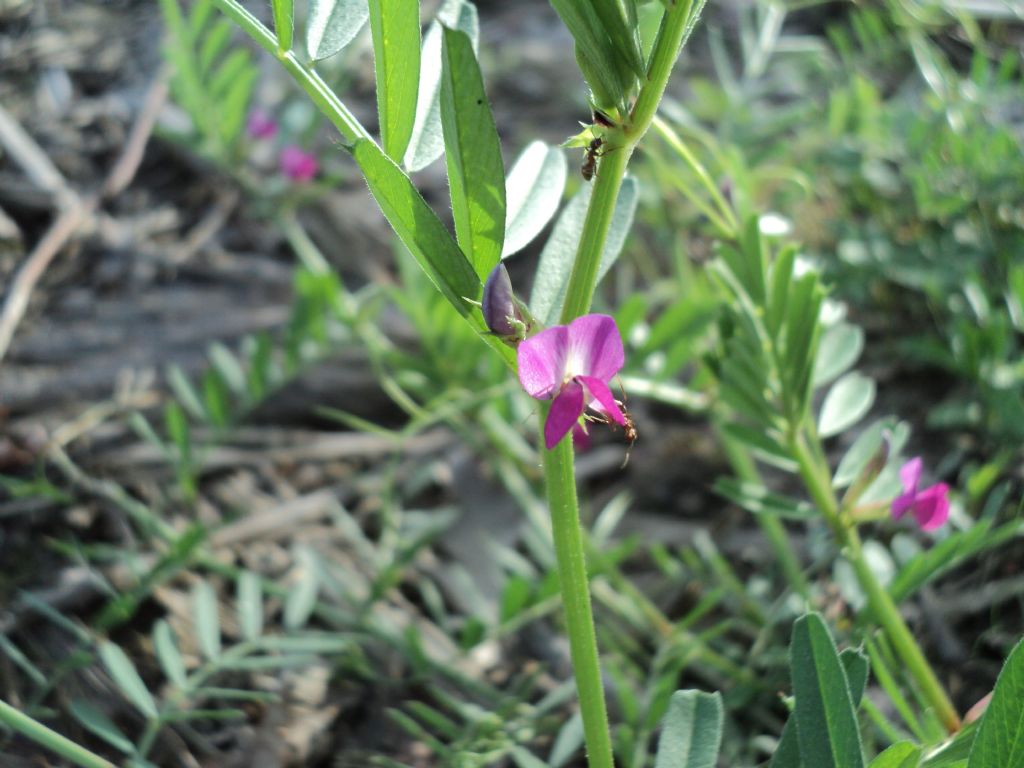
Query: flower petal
{"points": [[601, 395], [595, 347], [542, 362], [932, 507], [566, 410], [910, 475], [902, 503]]}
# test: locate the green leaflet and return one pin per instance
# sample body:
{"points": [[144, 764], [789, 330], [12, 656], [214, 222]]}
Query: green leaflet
{"points": [[533, 191], [417, 226], [476, 174], [283, 19], [556, 260], [826, 724], [1000, 739], [692, 731], [427, 143], [332, 25], [395, 27]]}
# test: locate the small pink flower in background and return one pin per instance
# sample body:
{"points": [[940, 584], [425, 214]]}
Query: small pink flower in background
{"points": [[930, 506], [573, 364], [298, 165], [260, 125]]}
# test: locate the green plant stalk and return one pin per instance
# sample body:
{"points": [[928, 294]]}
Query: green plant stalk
{"points": [[612, 166], [560, 482], [774, 531], [818, 482], [50, 739], [321, 94]]}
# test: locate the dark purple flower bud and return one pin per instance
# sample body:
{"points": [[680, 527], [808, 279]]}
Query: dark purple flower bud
{"points": [[500, 310], [297, 165]]}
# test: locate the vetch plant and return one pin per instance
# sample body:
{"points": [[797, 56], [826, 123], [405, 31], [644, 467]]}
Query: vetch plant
{"points": [[774, 349]]}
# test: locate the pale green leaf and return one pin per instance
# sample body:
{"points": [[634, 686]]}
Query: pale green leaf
{"points": [[556, 260], [207, 621], [126, 677], [427, 142], [167, 653], [249, 604], [692, 731], [332, 25], [533, 191], [96, 721], [846, 403], [841, 345]]}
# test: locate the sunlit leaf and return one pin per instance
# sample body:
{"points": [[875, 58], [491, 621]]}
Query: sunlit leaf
{"points": [[332, 25]]}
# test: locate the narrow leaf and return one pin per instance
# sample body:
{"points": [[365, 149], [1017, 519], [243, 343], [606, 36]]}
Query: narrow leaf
{"points": [[395, 27], [167, 653], [476, 175], [249, 603], [332, 25], [556, 260], [902, 754], [96, 721], [692, 731], [126, 677], [427, 143], [1000, 739], [826, 724], [846, 403], [840, 347], [418, 227], [283, 19], [301, 599], [533, 191], [204, 607]]}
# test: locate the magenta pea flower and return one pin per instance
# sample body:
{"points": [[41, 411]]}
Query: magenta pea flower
{"points": [[298, 165], [573, 364], [260, 125], [930, 506]]}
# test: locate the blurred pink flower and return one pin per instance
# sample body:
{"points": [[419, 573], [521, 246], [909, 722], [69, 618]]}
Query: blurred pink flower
{"points": [[260, 125], [297, 164], [930, 506], [573, 364]]}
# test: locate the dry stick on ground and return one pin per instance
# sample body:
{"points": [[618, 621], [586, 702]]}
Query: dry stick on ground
{"points": [[76, 211]]}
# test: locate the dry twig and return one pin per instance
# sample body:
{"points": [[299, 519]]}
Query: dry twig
{"points": [[76, 211]]}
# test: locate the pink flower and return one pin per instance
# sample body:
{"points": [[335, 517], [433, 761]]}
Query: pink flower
{"points": [[573, 364], [260, 125], [297, 165], [930, 506]]}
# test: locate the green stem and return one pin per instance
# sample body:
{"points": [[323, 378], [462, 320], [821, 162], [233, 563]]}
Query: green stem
{"points": [[572, 575], [321, 94], [818, 482], [774, 531], [613, 163], [50, 739]]}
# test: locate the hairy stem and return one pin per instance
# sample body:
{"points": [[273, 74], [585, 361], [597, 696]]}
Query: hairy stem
{"points": [[579, 620]]}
